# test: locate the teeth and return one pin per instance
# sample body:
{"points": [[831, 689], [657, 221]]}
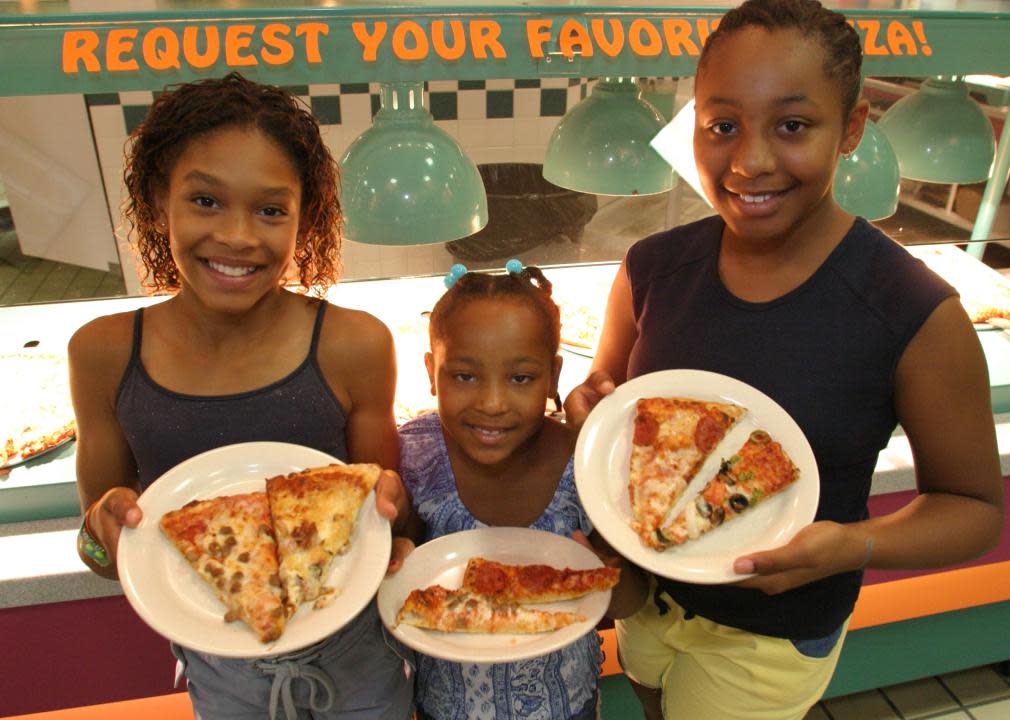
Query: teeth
{"points": [[755, 198], [231, 270], [489, 432]]}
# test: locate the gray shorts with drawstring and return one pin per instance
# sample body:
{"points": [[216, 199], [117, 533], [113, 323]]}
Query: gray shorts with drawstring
{"points": [[359, 673]]}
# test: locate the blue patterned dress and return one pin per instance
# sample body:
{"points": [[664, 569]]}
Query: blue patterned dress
{"points": [[557, 686]]}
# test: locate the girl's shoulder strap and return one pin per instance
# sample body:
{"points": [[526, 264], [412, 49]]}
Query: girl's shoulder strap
{"points": [[317, 328], [138, 333]]}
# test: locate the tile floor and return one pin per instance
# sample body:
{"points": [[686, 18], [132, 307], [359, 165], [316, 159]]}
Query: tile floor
{"points": [[981, 693]]}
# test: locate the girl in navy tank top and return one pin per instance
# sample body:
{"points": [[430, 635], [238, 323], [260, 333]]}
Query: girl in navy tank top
{"points": [[232, 194], [787, 292]]}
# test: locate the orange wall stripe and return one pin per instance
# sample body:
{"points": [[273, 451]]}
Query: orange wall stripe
{"points": [[931, 594], [174, 706], [611, 665]]}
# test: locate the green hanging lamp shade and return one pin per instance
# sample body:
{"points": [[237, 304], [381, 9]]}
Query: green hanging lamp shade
{"points": [[405, 181], [940, 134], [602, 145], [867, 182]]}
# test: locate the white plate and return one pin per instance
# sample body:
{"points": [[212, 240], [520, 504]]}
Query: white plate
{"points": [[603, 451], [177, 603], [442, 562]]}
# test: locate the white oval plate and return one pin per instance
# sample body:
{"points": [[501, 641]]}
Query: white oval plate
{"points": [[603, 452], [177, 603], [442, 561]]}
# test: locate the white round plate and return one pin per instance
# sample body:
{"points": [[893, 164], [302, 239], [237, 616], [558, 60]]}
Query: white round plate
{"points": [[177, 603], [442, 562], [603, 452]]}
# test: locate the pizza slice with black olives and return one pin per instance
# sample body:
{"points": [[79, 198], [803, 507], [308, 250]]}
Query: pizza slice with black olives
{"points": [[759, 470], [230, 543]]}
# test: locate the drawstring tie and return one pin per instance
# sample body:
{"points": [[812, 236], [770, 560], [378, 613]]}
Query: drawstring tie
{"points": [[285, 672]]}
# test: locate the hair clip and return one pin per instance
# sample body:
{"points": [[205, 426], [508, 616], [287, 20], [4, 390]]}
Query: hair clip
{"points": [[513, 266], [455, 273]]}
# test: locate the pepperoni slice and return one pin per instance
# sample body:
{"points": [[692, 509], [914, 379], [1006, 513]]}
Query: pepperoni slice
{"points": [[708, 432], [490, 580], [646, 430], [536, 578]]}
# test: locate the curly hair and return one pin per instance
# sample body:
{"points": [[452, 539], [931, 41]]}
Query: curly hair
{"points": [[529, 286], [188, 111], [843, 51]]}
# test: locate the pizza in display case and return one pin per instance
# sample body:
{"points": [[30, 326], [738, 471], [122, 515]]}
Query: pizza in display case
{"points": [[38, 415]]}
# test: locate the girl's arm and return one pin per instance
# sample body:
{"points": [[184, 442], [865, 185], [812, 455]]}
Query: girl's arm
{"points": [[106, 471], [610, 363], [942, 402], [360, 358], [365, 367]]}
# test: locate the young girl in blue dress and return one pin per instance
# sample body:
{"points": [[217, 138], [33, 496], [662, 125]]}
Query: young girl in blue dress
{"points": [[231, 187], [491, 457]]}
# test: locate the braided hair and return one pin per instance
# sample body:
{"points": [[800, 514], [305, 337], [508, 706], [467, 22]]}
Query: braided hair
{"points": [[528, 286], [843, 52]]}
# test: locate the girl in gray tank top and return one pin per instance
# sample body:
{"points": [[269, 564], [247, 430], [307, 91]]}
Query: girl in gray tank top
{"points": [[231, 188]]}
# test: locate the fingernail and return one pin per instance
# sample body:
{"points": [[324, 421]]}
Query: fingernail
{"points": [[743, 566]]}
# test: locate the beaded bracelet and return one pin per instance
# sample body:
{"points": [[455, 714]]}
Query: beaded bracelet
{"points": [[90, 546]]}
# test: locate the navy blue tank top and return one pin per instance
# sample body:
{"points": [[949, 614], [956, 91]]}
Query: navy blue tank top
{"points": [[163, 428], [826, 351]]}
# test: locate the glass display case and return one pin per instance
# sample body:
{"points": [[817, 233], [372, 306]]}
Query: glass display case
{"points": [[499, 77]]}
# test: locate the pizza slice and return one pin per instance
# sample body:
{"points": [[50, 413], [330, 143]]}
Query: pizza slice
{"points": [[672, 438], [229, 541], [314, 512], [760, 469], [534, 583], [437, 608]]}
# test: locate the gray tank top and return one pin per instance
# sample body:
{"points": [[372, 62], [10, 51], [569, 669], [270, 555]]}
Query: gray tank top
{"points": [[163, 428]]}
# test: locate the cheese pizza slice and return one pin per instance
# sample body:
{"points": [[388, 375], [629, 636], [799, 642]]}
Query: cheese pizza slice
{"points": [[437, 608], [229, 541], [534, 583], [759, 470], [672, 438], [314, 512]]}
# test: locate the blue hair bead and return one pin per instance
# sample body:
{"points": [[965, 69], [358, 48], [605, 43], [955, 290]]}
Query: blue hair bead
{"points": [[455, 273], [514, 266]]}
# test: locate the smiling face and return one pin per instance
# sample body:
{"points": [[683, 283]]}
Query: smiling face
{"points": [[493, 372], [769, 130], [232, 212]]}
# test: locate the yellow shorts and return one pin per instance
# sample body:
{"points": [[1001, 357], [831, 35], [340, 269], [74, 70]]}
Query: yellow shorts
{"points": [[709, 671]]}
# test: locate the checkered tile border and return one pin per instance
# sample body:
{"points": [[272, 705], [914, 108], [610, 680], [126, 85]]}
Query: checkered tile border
{"points": [[355, 103]]}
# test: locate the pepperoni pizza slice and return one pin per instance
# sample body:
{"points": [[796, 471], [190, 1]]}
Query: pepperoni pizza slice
{"points": [[534, 583], [672, 438]]}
